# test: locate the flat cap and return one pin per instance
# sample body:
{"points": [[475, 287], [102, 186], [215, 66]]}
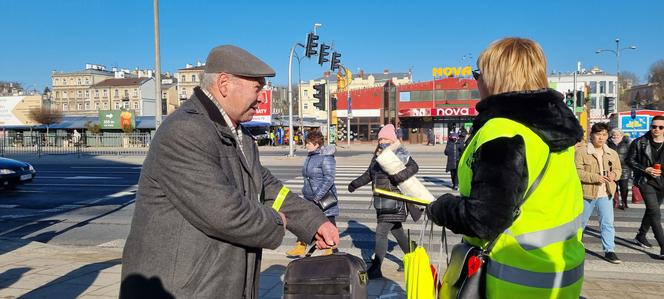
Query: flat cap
{"points": [[236, 61]]}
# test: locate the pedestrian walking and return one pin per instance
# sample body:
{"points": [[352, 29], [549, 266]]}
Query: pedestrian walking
{"points": [[390, 214], [319, 172], [620, 143], [599, 168], [523, 134], [272, 139], [453, 151], [205, 206], [645, 158]]}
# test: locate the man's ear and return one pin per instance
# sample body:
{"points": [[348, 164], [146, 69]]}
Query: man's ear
{"points": [[223, 82]]}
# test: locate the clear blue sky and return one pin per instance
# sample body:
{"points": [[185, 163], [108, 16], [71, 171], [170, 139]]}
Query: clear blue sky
{"points": [[40, 36]]}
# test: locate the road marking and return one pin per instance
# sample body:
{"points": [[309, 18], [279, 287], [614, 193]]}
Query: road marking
{"points": [[82, 185], [8, 206], [80, 177], [107, 167]]}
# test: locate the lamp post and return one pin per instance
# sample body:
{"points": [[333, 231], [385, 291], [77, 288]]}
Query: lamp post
{"points": [[617, 53], [299, 91]]}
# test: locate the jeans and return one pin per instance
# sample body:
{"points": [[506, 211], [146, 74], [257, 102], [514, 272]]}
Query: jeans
{"points": [[382, 229], [605, 212], [652, 218]]}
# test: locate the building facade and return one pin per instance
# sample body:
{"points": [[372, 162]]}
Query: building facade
{"points": [[71, 90], [136, 94], [599, 85], [188, 78]]}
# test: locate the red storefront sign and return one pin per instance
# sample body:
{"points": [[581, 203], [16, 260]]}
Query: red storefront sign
{"points": [[444, 111], [264, 111]]}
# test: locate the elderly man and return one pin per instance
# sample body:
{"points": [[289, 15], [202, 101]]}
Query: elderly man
{"points": [[205, 205]]}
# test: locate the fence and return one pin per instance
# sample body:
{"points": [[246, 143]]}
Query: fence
{"points": [[38, 143]]}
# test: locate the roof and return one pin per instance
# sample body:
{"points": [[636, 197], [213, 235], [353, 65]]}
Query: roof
{"points": [[84, 72], [377, 76], [122, 82], [195, 68]]}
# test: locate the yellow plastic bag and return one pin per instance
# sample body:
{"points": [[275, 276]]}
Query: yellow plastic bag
{"points": [[418, 276]]}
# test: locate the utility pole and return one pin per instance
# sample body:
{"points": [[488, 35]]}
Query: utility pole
{"points": [[157, 64]]}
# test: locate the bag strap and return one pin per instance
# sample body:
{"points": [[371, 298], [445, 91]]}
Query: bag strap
{"points": [[517, 210]]}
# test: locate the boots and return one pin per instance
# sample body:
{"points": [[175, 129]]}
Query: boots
{"points": [[299, 249], [624, 204], [374, 271]]}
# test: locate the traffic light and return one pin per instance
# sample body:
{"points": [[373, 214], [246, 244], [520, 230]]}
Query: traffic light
{"points": [[323, 53], [333, 104], [320, 95], [579, 98], [310, 49], [336, 63], [609, 105], [569, 99]]}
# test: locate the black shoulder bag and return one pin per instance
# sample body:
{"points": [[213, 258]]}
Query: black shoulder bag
{"points": [[466, 270]]}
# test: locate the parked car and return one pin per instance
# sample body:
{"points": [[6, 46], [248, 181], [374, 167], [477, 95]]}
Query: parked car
{"points": [[13, 173]]}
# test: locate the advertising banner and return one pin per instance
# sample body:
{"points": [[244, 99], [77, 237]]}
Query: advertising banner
{"points": [[116, 119], [264, 111]]}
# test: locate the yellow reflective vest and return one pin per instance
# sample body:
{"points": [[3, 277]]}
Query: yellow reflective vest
{"points": [[541, 254]]}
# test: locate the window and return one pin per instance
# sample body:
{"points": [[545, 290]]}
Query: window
{"points": [[439, 95], [78, 81], [105, 93], [57, 81], [57, 94], [96, 105], [464, 94], [474, 94], [602, 86], [136, 105], [64, 94], [126, 93], [78, 93], [87, 94], [65, 107], [305, 106], [96, 93], [593, 87], [87, 106], [87, 81], [305, 93], [125, 104], [117, 93], [117, 105], [452, 94], [611, 86], [183, 78], [79, 107], [193, 78], [105, 105], [135, 92], [64, 81]]}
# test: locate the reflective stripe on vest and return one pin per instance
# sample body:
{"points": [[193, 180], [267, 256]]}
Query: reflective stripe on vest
{"points": [[280, 198], [543, 238], [535, 279]]}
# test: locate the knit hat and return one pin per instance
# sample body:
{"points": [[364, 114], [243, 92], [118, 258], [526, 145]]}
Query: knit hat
{"points": [[388, 132]]}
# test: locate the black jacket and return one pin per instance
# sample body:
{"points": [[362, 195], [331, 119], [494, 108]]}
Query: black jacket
{"points": [[640, 157], [622, 148], [380, 179], [453, 151], [500, 175]]}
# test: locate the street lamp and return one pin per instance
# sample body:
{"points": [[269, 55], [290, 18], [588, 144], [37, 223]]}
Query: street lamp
{"points": [[299, 90], [617, 53]]}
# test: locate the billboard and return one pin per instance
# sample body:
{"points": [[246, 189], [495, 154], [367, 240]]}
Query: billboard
{"points": [[15, 110], [264, 111], [444, 111], [116, 119]]}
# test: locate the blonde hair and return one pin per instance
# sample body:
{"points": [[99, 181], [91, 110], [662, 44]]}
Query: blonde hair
{"points": [[513, 64]]}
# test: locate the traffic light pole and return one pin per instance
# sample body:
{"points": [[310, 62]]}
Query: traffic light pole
{"points": [[291, 148], [327, 107]]}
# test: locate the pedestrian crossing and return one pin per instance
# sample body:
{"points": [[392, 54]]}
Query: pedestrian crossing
{"points": [[357, 224]]}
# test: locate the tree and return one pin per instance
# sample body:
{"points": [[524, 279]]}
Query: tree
{"points": [[92, 127], [656, 77], [46, 116]]}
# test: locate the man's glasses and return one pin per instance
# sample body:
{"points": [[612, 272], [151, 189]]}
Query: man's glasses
{"points": [[476, 74], [657, 127]]}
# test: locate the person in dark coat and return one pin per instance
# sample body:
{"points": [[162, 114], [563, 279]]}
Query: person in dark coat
{"points": [[453, 151], [319, 171], [644, 154], [205, 206], [620, 143], [390, 213]]}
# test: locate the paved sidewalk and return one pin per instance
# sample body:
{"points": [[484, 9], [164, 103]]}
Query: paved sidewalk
{"points": [[37, 270]]}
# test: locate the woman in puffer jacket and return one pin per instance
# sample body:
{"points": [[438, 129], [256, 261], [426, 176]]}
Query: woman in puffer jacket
{"points": [[319, 171], [390, 213]]}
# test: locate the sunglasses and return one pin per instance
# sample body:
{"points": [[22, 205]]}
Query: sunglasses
{"points": [[657, 127], [476, 74]]}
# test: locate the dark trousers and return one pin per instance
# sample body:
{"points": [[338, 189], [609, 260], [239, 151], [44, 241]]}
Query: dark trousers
{"points": [[652, 218], [382, 229], [455, 177], [622, 189]]}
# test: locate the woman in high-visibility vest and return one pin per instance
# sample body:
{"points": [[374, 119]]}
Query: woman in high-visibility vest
{"points": [[523, 129]]}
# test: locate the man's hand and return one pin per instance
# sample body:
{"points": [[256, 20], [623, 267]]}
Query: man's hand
{"points": [[283, 218], [327, 236], [653, 172], [612, 176]]}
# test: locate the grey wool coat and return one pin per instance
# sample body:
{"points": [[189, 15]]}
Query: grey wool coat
{"points": [[204, 212]]}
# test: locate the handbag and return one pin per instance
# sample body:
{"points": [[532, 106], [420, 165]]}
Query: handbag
{"points": [[636, 194], [466, 270], [328, 201]]}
